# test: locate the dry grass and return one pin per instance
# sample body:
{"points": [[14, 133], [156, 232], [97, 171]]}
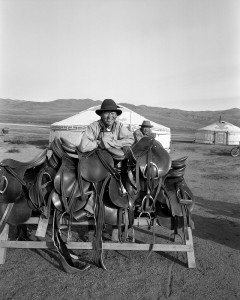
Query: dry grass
{"points": [[17, 140], [13, 150]]}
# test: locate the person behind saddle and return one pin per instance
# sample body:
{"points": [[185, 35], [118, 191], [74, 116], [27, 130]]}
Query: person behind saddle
{"points": [[144, 130], [107, 132]]}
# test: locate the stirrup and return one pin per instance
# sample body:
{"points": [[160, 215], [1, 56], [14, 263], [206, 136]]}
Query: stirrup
{"points": [[144, 202]]}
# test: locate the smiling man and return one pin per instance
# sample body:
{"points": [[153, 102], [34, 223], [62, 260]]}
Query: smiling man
{"points": [[107, 132], [144, 130]]}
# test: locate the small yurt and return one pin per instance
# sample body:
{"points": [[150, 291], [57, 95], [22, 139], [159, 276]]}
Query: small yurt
{"points": [[221, 133], [73, 127]]}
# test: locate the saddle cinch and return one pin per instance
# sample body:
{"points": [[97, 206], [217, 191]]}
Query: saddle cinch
{"points": [[112, 188]]}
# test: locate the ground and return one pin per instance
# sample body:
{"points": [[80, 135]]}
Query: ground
{"points": [[214, 177]]}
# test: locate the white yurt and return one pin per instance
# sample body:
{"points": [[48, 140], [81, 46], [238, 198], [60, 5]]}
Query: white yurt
{"points": [[221, 133], [73, 127]]}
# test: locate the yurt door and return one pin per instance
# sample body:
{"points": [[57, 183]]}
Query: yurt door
{"points": [[221, 138]]}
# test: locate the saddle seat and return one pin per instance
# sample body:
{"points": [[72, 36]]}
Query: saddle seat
{"points": [[15, 164], [68, 146]]}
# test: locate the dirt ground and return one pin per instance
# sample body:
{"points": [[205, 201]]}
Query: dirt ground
{"points": [[214, 177]]}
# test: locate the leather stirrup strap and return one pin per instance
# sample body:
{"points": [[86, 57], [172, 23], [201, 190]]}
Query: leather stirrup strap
{"points": [[99, 216], [122, 236], [80, 179], [185, 222], [5, 216], [14, 174], [62, 249]]}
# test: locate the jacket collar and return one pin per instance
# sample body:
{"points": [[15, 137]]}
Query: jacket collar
{"points": [[104, 128]]}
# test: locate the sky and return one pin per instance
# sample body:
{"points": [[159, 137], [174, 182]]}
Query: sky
{"points": [[167, 53]]}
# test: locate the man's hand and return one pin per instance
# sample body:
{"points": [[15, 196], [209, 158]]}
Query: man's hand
{"points": [[109, 142], [100, 144]]}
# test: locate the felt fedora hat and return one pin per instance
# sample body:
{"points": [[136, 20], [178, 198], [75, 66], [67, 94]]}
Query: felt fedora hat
{"points": [[109, 105], [146, 123]]}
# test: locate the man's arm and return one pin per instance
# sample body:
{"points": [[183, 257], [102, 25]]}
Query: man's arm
{"points": [[137, 135], [89, 139], [125, 138]]}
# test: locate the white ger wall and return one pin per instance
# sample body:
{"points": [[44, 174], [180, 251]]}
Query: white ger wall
{"points": [[74, 136], [218, 137]]}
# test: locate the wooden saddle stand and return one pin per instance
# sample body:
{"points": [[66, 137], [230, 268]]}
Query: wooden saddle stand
{"points": [[126, 190]]}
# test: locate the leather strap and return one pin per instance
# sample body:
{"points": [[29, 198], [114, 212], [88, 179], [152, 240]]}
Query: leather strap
{"points": [[64, 255], [5, 216], [99, 216]]}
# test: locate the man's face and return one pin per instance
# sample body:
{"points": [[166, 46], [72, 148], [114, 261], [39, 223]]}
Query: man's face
{"points": [[108, 117], [146, 130]]}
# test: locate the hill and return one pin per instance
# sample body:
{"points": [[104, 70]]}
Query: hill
{"points": [[19, 111]]}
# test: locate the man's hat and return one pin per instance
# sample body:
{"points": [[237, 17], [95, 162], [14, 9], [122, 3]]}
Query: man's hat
{"points": [[109, 105], [146, 123]]}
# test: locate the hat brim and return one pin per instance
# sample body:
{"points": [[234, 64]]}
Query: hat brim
{"points": [[149, 126], [99, 111]]}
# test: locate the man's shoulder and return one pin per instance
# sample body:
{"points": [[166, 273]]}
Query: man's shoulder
{"points": [[94, 124], [138, 131], [118, 123]]}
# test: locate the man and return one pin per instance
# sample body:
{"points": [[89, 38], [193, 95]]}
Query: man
{"points": [[104, 134], [144, 130], [107, 132]]}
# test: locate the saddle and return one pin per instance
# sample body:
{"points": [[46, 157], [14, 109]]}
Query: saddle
{"points": [[176, 201], [16, 179], [68, 195], [68, 146], [147, 163], [12, 174], [111, 186]]}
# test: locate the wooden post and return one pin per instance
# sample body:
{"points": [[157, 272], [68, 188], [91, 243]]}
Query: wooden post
{"points": [[3, 237], [190, 254], [42, 226]]}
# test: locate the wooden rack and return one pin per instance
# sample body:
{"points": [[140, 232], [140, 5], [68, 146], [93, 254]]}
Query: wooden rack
{"points": [[41, 231]]}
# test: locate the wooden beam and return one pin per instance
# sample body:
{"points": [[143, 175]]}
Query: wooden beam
{"points": [[5, 243], [88, 245]]}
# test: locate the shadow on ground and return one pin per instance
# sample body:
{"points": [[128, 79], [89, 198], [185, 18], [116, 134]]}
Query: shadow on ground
{"points": [[218, 222], [42, 144]]}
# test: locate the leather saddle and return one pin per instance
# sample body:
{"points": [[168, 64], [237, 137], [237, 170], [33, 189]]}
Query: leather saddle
{"points": [[148, 162], [16, 180], [176, 201], [67, 194], [12, 174], [69, 181]]}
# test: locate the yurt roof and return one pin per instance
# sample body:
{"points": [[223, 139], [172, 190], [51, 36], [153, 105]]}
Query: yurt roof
{"points": [[221, 126], [84, 118]]}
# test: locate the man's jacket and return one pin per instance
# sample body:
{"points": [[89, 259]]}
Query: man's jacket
{"points": [[117, 137]]}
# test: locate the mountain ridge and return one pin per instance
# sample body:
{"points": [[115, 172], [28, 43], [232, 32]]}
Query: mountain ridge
{"points": [[21, 111]]}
